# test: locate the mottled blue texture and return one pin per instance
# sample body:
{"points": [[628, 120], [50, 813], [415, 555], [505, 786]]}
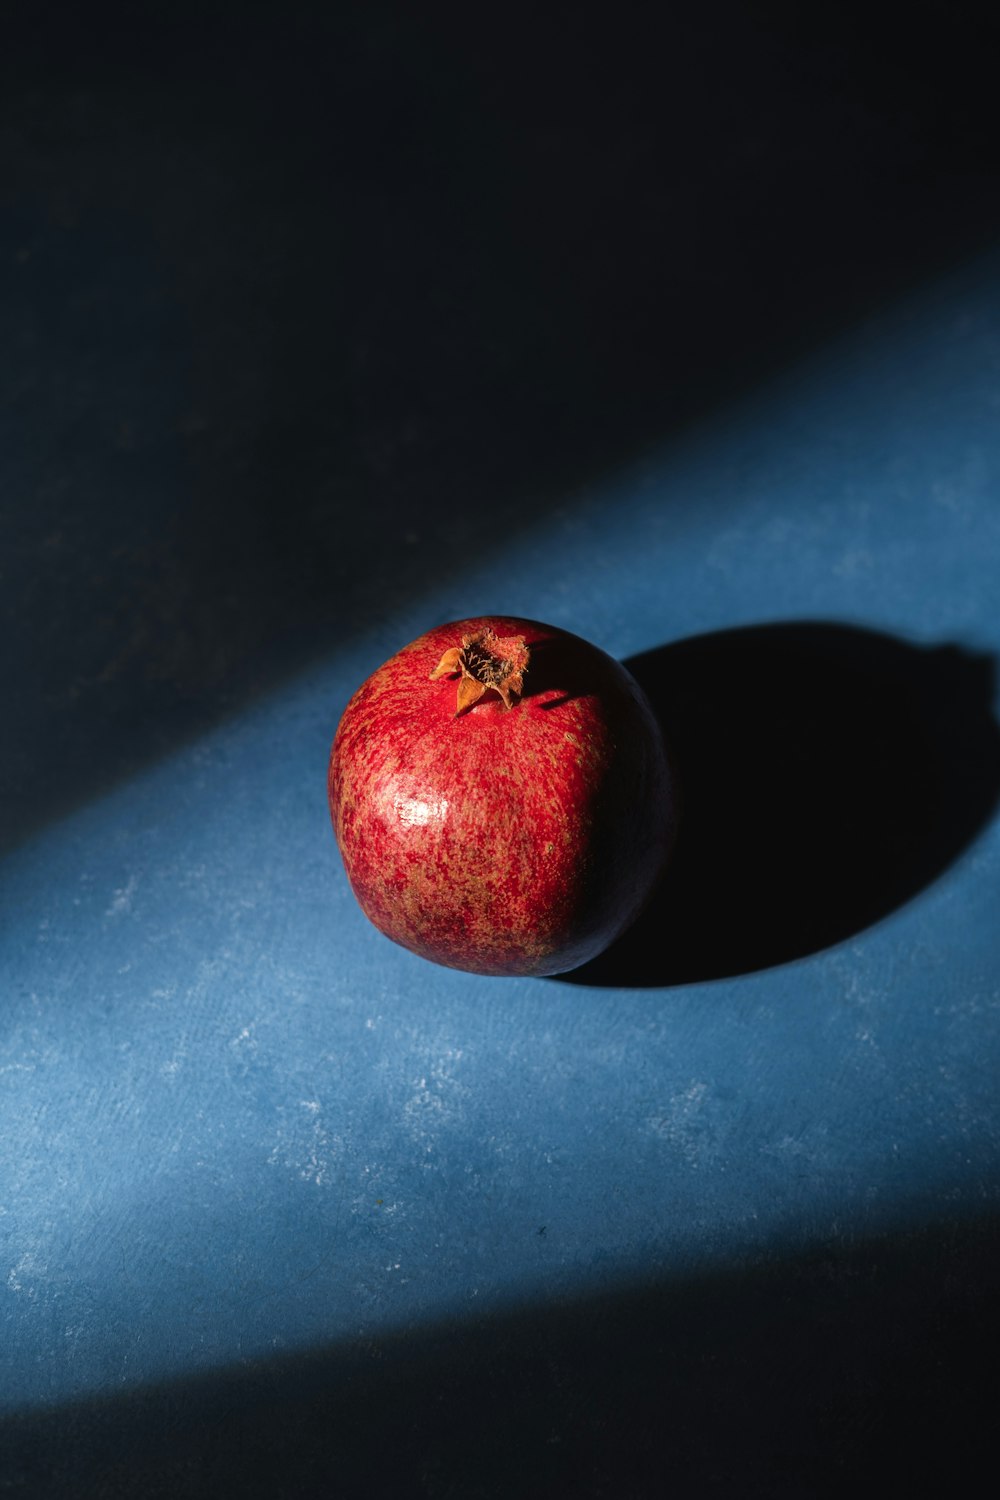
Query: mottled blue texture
{"points": [[236, 1120]]}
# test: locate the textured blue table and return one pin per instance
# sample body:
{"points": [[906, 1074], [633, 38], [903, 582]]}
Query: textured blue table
{"points": [[284, 1207]]}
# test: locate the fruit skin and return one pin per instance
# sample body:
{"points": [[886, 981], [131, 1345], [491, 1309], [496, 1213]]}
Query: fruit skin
{"points": [[502, 841]]}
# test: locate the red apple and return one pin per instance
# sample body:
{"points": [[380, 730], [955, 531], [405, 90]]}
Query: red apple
{"points": [[501, 797]]}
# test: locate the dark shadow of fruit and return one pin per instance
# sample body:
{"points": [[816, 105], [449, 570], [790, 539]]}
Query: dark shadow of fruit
{"points": [[828, 773]]}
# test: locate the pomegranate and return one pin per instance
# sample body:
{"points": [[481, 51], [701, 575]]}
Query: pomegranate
{"points": [[501, 797]]}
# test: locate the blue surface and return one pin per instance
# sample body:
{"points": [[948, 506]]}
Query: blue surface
{"points": [[236, 1119], [238, 1128]]}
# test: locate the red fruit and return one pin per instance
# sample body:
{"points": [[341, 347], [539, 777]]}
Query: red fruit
{"points": [[501, 797]]}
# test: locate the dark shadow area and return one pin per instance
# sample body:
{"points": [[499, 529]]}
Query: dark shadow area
{"points": [[827, 774], [305, 305], [554, 664], [863, 1367]]}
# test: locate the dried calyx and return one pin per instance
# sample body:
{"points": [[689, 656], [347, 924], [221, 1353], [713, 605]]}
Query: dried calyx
{"points": [[486, 661]]}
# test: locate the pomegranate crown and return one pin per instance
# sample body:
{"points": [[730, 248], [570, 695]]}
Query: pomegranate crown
{"points": [[486, 661]]}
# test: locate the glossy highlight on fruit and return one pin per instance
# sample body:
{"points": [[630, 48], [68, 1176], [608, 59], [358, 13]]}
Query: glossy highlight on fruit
{"points": [[501, 797]]}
